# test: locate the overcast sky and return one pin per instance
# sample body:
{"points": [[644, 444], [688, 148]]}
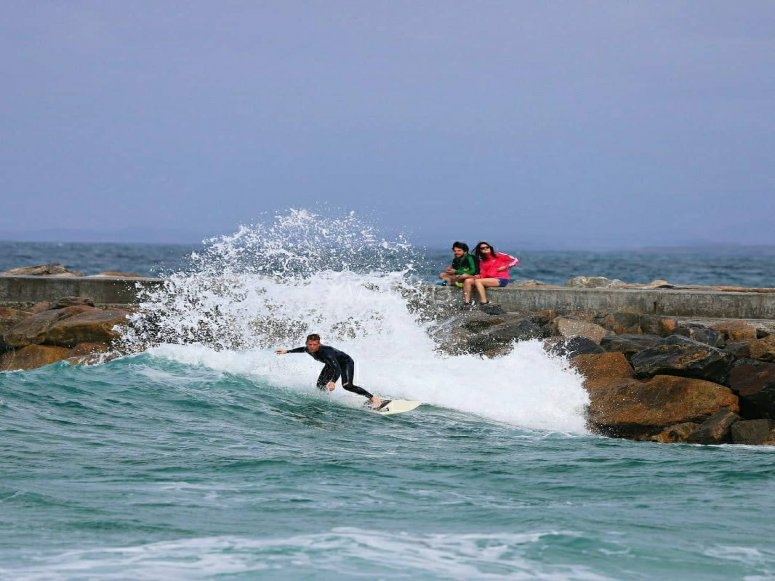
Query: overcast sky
{"points": [[551, 124]]}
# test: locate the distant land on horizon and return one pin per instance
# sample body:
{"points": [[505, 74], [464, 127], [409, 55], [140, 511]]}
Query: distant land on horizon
{"points": [[189, 238]]}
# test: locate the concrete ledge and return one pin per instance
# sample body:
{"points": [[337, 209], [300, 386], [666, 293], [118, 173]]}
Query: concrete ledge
{"points": [[16, 290], [682, 303]]}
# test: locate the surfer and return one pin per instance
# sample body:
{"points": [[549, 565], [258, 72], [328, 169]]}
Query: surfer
{"points": [[336, 364]]}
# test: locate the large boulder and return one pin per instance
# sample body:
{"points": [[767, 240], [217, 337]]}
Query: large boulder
{"points": [[575, 328], [32, 357], [677, 355], [601, 369], [67, 327], [753, 432], [642, 409], [701, 334], [763, 349], [621, 323], [714, 430], [629, 344], [657, 325], [571, 347], [735, 330], [754, 383], [9, 318]]}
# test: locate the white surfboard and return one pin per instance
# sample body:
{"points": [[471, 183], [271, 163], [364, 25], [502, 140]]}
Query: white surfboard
{"points": [[395, 406]]}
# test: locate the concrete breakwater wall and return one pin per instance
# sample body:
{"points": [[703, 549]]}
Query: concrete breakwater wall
{"points": [[103, 290], [690, 302]]}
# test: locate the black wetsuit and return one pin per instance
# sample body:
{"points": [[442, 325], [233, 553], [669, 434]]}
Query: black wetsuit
{"points": [[337, 364]]}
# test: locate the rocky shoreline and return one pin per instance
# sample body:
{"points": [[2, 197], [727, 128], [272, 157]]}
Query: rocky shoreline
{"points": [[649, 377]]}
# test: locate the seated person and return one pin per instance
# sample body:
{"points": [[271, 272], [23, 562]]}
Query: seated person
{"points": [[493, 272], [463, 266]]}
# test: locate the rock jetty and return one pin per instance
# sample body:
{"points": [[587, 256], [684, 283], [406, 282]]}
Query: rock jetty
{"points": [[649, 377]]}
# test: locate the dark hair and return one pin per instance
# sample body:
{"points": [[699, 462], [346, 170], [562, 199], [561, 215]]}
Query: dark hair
{"points": [[313, 337], [479, 254], [462, 245]]}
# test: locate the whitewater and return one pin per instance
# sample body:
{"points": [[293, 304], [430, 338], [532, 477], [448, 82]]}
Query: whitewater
{"points": [[200, 453]]}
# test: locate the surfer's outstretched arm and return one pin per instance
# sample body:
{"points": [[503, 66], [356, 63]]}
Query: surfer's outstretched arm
{"points": [[296, 350]]}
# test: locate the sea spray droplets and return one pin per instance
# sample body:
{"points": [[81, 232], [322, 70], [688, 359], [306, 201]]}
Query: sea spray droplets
{"points": [[302, 244], [269, 283]]}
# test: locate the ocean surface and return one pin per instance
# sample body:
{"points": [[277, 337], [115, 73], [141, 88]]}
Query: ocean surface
{"points": [[201, 454]]}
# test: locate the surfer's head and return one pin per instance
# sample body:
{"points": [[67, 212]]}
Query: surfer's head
{"points": [[313, 342]]}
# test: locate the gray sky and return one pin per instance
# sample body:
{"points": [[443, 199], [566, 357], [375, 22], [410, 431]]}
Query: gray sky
{"points": [[547, 124]]}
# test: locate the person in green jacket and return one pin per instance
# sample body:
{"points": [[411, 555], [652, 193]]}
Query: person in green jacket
{"points": [[463, 266]]}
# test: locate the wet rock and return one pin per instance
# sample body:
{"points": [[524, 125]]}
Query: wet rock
{"points": [[763, 349], [753, 432], [657, 325], [629, 344], [738, 349], [601, 369], [492, 309], [575, 328], [572, 347], [714, 430], [642, 409], [90, 354], [67, 327], [32, 357], [677, 433], [72, 302], [9, 318], [701, 334], [735, 330], [676, 355], [754, 383], [620, 323]]}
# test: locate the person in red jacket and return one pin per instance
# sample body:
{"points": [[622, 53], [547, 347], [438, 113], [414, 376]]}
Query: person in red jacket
{"points": [[493, 272]]}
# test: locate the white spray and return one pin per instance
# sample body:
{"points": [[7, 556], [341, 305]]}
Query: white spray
{"points": [[269, 286]]}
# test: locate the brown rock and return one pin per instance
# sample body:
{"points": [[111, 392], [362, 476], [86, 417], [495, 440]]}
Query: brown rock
{"points": [[67, 327], [677, 355], [677, 433], [575, 328], [601, 369], [629, 344], [763, 349], [657, 325], [72, 302], [31, 357], [40, 307], [9, 318], [754, 383], [714, 430], [735, 330], [89, 353], [752, 432], [633, 408], [620, 323]]}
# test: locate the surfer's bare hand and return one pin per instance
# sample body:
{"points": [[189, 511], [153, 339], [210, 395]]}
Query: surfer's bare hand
{"points": [[331, 386], [280, 351]]}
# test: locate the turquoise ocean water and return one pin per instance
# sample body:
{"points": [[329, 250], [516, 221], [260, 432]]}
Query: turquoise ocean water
{"points": [[201, 454]]}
